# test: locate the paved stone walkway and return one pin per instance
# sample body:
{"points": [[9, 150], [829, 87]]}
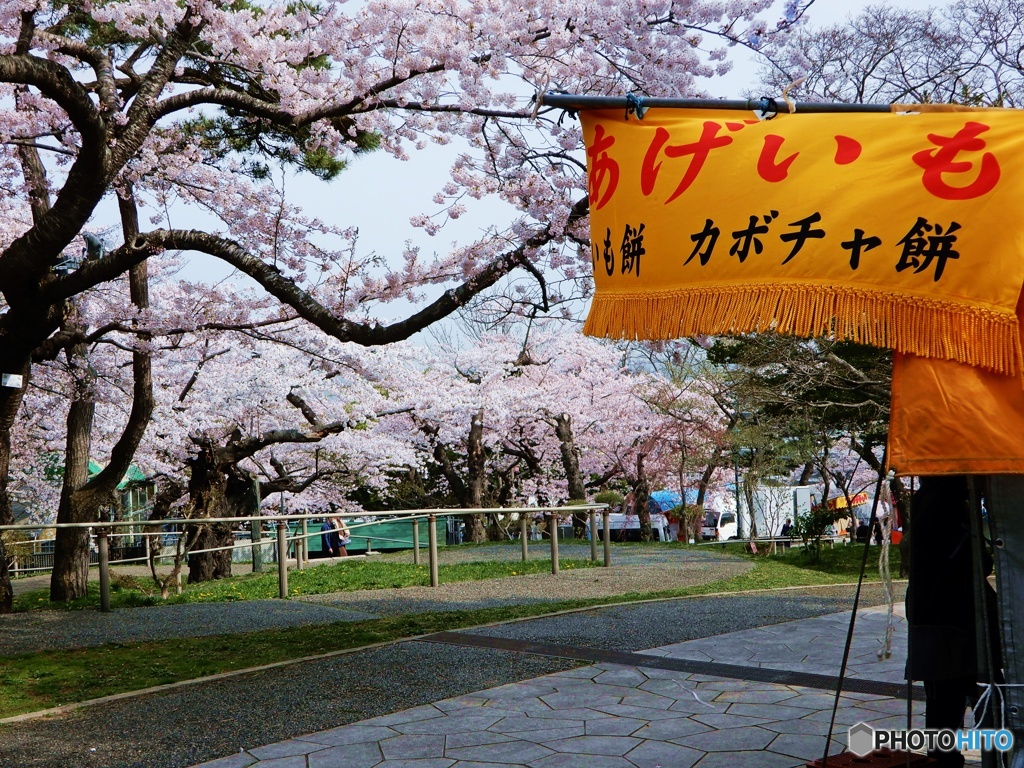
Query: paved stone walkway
{"points": [[621, 716]]}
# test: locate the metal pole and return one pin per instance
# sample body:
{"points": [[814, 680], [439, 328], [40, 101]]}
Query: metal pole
{"points": [[741, 529], [282, 561], [1005, 503], [576, 102], [415, 542], [305, 541], [606, 524], [101, 541], [553, 529], [523, 536], [593, 536], [981, 624], [298, 551], [432, 535]]}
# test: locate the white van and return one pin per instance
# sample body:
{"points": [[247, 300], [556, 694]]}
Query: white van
{"points": [[719, 526], [627, 527]]}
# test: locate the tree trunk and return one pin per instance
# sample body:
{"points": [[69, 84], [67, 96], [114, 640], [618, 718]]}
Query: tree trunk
{"points": [[207, 566], [70, 576], [10, 402], [571, 465], [207, 488], [81, 498], [641, 500], [477, 472]]}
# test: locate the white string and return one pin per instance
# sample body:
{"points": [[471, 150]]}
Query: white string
{"points": [[986, 696], [885, 652], [694, 694], [785, 94]]}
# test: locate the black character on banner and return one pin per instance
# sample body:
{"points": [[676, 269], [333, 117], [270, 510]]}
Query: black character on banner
{"points": [[704, 242], [802, 234], [921, 249], [745, 239], [608, 253], [859, 245], [632, 249]]}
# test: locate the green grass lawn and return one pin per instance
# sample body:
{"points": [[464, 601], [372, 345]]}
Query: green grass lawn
{"points": [[132, 591], [41, 680]]}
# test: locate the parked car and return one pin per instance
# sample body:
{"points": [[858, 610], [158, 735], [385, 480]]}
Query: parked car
{"points": [[719, 526]]}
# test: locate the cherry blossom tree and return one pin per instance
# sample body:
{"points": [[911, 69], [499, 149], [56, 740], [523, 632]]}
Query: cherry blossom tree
{"points": [[965, 52], [548, 417], [182, 110], [245, 416]]}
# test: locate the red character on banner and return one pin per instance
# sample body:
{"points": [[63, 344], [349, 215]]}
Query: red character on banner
{"points": [[769, 167], [603, 167], [847, 150], [699, 150], [939, 162]]}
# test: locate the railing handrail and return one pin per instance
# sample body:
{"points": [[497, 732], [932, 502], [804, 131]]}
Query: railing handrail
{"points": [[400, 515]]}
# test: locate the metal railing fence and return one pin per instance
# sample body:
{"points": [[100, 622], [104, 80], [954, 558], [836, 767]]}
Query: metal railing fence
{"points": [[101, 531]]}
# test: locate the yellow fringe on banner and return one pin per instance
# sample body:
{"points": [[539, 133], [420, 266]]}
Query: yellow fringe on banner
{"points": [[917, 326]]}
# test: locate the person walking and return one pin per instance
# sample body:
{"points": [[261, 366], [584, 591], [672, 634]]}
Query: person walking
{"points": [[328, 536], [344, 538]]}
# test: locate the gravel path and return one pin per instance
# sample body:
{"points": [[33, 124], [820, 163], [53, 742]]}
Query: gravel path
{"points": [[190, 724], [633, 571], [636, 570]]}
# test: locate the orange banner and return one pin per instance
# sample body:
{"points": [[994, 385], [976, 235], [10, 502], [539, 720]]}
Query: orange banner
{"points": [[952, 419], [898, 230]]}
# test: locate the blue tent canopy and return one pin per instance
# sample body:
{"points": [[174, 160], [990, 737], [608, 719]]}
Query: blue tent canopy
{"points": [[666, 499]]}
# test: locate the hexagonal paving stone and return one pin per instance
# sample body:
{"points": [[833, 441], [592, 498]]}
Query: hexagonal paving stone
{"points": [[350, 734], [760, 697], [613, 726], [580, 699], [240, 760], [804, 726], [645, 713], [628, 676], [460, 702], [729, 740], [292, 761], [749, 760], [581, 672], [513, 725], [577, 713], [726, 722], [805, 747], [504, 753], [405, 716], [348, 756], [407, 747], [666, 730], [659, 754], [551, 734], [768, 711], [648, 700], [594, 745], [285, 749], [461, 722], [457, 740], [582, 761]]}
